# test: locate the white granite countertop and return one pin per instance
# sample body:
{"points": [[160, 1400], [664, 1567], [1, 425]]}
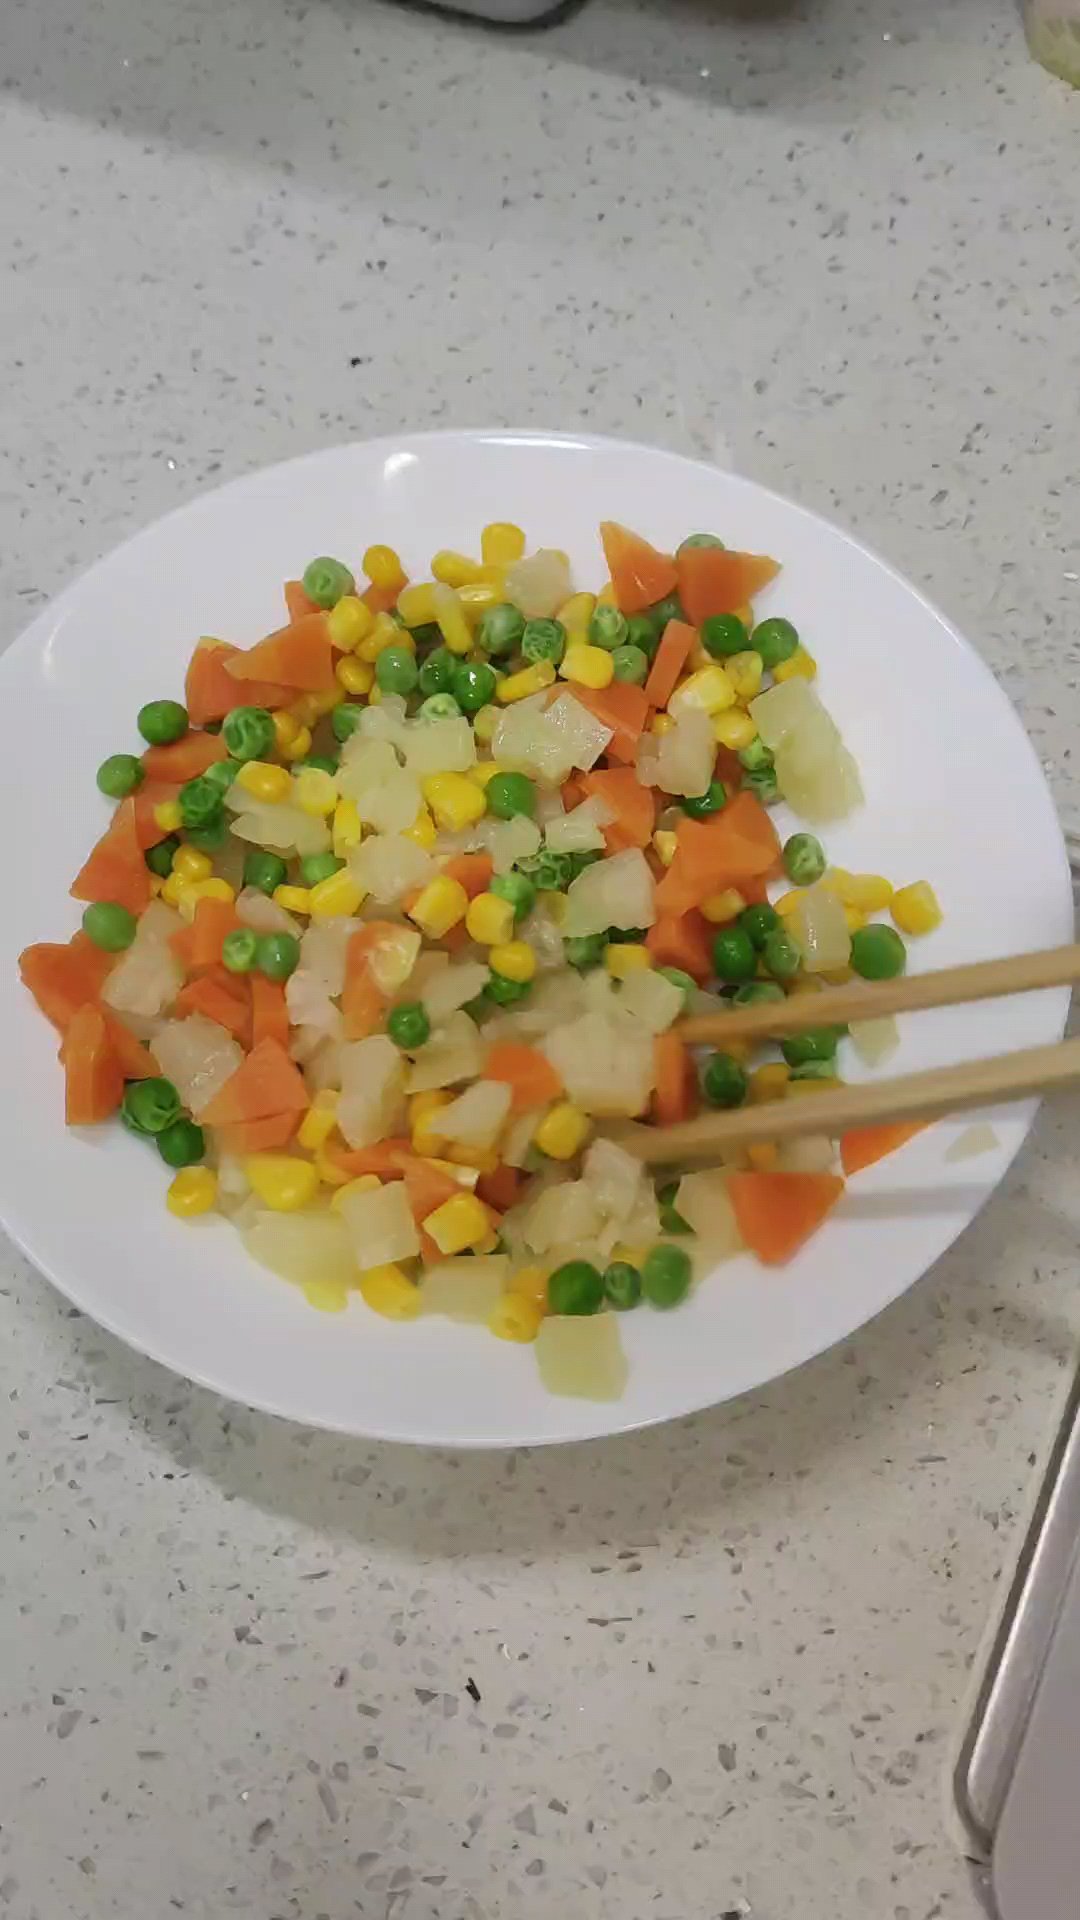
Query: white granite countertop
{"points": [[714, 1670]]}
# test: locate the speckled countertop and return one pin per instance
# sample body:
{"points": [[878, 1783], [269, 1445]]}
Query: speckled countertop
{"points": [[713, 1670]]}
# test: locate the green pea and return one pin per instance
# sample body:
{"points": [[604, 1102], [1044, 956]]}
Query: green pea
{"points": [[240, 949], [159, 859], [665, 1276], [120, 775], [504, 992], [543, 640], [641, 633], [723, 634], [222, 774], [319, 866], [631, 665], [109, 925], [183, 1144], [396, 671], [439, 706], [622, 1285], [322, 763], [775, 641], [608, 628], [723, 1081], [162, 721], [781, 954], [878, 953], [817, 1043], [248, 733], [700, 805], [584, 857], [277, 955], [734, 959], [671, 1220], [149, 1106], [209, 839], [759, 921], [516, 888], [265, 871], [500, 630], [755, 993], [344, 719], [699, 540], [472, 685], [764, 786], [684, 981], [549, 871], [326, 581], [576, 1287], [756, 758], [804, 859], [437, 672], [509, 794], [814, 1070], [584, 950], [201, 803], [408, 1024], [664, 611]]}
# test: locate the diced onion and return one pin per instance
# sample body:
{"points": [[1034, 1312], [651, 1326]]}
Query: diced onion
{"points": [[563, 1213], [582, 736], [372, 1090], [581, 830], [440, 746], [306, 1247], [974, 1140], [606, 1066], [656, 1002], [818, 926], [617, 892], [468, 1289], [454, 1052], [284, 829], [198, 1057], [539, 584], [510, 840], [875, 1040], [147, 978], [704, 1203], [614, 1178], [256, 910], [476, 1116], [380, 1224], [687, 754], [452, 987], [814, 1153], [388, 865], [581, 1356]]}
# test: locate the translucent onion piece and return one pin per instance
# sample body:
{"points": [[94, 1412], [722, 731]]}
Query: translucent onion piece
{"points": [[372, 1090], [656, 1002], [306, 1247], [454, 1052], [974, 1140], [705, 1205], [581, 830], [818, 926], [198, 1057], [380, 1224], [256, 910], [147, 978], [388, 866], [284, 829], [540, 584], [467, 1289], [687, 754], [617, 892], [452, 987], [581, 735], [565, 1212], [581, 1356], [476, 1117], [875, 1040], [440, 746], [607, 1066]]}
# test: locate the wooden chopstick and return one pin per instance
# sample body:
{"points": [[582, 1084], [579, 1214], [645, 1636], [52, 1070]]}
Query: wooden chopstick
{"points": [[913, 1096], [865, 1000]]}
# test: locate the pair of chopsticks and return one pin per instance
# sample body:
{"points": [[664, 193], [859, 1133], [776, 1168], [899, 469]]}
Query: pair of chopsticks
{"points": [[912, 1096]]}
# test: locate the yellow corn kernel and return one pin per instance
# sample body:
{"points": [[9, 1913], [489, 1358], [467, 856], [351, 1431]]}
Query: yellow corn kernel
{"points": [[516, 1318], [466, 1176], [310, 708], [745, 671], [329, 1174], [801, 666], [485, 771], [383, 568], [477, 599], [763, 1156], [501, 543], [915, 909], [348, 828], [576, 613], [286, 728], [168, 817], [293, 899], [299, 748], [587, 666], [853, 919], [721, 907], [426, 1138], [415, 604], [489, 920], [661, 723], [606, 595], [349, 622], [456, 569], [439, 906], [422, 830], [563, 1131], [530, 1283], [319, 1121], [384, 633], [190, 864], [375, 696], [450, 619], [710, 690], [362, 1183], [174, 889], [264, 782], [459, 1223], [733, 729], [787, 902], [519, 686], [513, 959], [801, 1087], [196, 890], [282, 1182], [355, 676], [625, 958], [870, 892], [191, 1192], [463, 1162], [455, 800], [665, 845], [484, 725], [315, 791], [388, 1291], [768, 1083]]}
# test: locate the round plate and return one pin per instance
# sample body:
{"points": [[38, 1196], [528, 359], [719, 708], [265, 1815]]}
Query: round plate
{"points": [[954, 794]]}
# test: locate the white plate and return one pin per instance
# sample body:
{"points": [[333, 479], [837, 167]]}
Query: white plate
{"points": [[953, 794]]}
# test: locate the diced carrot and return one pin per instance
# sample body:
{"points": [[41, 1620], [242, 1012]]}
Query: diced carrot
{"points": [[777, 1212], [754, 888], [382, 599], [266, 1083], [362, 1004], [640, 574], [258, 1136], [93, 1077], [64, 978], [682, 940], [385, 1159], [501, 1188], [473, 871], [221, 996], [671, 657], [187, 758], [136, 1061], [633, 805], [621, 707], [116, 869], [527, 1072], [736, 845], [299, 655], [863, 1146], [455, 937], [269, 1011], [426, 1185], [297, 603], [717, 580], [674, 1097], [152, 793], [214, 919], [210, 693]]}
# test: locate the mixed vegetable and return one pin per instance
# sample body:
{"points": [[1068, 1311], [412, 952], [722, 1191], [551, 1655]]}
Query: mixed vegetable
{"points": [[405, 901]]}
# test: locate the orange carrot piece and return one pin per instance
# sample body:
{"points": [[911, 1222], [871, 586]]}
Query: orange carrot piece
{"points": [[674, 1097], [426, 1185], [210, 692], [472, 870], [384, 1159], [152, 793], [258, 1136], [269, 1011], [671, 657], [682, 940], [63, 978], [621, 707], [527, 1072], [777, 1212], [187, 758], [222, 997], [93, 1077], [266, 1083], [639, 573], [116, 869], [136, 1061], [633, 805], [863, 1146], [382, 599], [736, 845], [501, 1188], [298, 604], [718, 580], [299, 655], [214, 919]]}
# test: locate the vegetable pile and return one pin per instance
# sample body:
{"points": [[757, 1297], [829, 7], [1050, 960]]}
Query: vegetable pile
{"points": [[406, 900]]}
